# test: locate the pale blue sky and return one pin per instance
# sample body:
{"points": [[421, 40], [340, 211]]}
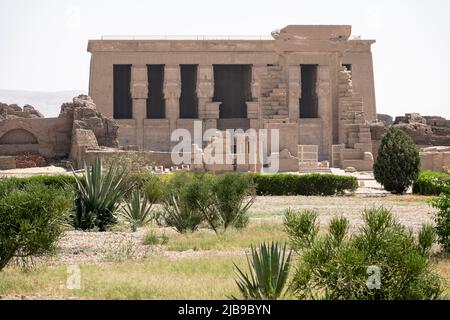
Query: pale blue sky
{"points": [[43, 42]]}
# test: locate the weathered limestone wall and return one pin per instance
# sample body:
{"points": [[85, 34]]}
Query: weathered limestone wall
{"points": [[435, 158], [51, 137], [360, 58], [13, 111], [78, 128], [275, 84]]}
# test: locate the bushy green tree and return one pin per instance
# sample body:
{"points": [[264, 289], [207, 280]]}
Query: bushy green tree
{"points": [[442, 220], [226, 203], [398, 162], [31, 221]]}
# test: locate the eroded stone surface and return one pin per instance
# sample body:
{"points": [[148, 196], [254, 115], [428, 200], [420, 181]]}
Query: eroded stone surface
{"points": [[13, 111]]}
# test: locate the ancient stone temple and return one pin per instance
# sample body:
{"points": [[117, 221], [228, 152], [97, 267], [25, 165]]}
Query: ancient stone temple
{"points": [[313, 83]]}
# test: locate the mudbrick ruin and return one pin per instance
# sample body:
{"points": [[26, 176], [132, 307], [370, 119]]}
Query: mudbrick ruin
{"points": [[314, 84]]}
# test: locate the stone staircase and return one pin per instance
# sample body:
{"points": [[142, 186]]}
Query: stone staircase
{"points": [[274, 94], [354, 130]]}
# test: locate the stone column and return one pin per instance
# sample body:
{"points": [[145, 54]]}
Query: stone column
{"points": [[294, 92], [139, 94], [254, 112], [205, 88], [323, 88], [208, 111], [172, 92]]}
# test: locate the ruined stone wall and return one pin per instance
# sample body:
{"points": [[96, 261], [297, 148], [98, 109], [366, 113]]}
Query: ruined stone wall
{"points": [[424, 131], [431, 134], [13, 111], [79, 127], [435, 158], [50, 137]]}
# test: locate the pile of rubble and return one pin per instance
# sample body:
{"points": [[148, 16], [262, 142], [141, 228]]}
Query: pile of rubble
{"points": [[430, 134], [425, 131], [30, 160], [13, 111], [85, 117]]}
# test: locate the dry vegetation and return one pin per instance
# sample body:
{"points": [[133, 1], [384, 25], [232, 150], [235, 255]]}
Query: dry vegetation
{"points": [[118, 265]]}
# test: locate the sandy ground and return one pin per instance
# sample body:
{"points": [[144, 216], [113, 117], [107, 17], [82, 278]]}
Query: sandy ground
{"points": [[102, 247], [33, 171]]}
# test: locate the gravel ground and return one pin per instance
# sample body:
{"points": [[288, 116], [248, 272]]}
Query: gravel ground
{"points": [[104, 247], [411, 211]]}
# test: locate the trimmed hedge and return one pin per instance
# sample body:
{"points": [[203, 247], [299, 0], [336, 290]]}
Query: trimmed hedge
{"points": [[432, 183], [265, 184], [303, 185], [55, 181]]}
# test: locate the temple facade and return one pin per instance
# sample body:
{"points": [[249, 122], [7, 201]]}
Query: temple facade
{"points": [[314, 84]]}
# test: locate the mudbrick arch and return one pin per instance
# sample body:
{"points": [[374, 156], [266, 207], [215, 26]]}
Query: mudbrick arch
{"points": [[18, 136]]}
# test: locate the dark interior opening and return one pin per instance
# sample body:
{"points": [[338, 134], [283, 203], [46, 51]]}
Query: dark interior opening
{"points": [[188, 98], [309, 105], [232, 87], [348, 66], [122, 102], [156, 106]]}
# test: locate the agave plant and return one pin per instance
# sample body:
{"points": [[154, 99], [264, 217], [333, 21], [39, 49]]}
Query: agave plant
{"points": [[268, 275], [99, 195], [137, 211], [178, 213]]}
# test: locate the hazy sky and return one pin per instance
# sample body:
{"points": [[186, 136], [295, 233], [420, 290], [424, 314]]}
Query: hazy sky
{"points": [[43, 42]]}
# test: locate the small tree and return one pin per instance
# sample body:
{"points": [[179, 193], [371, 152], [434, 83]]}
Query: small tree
{"points": [[398, 162], [31, 221], [442, 220]]}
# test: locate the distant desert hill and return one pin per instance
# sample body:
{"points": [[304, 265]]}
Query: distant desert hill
{"points": [[48, 103]]}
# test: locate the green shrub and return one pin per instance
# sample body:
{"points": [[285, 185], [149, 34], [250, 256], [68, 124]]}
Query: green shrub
{"points": [[301, 228], [268, 273], [398, 162], [432, 183], [339, 266], [137, 211], [59, 181], [153, 188], [225, 202], [179, 214], [151, 238], [303, 185], [31, 221], [442, 220], [99, 194]]}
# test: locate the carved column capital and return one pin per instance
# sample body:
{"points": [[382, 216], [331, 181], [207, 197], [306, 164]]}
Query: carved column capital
{"points": [[205, 81], [205, 92], [172, 82], [139, 82]]}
